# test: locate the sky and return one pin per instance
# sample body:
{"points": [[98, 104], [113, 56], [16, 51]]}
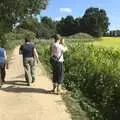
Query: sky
{"points": [[61, 8]]}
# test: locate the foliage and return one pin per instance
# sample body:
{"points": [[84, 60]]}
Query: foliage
{"points": [[74, 107], [115, 33], [15, 37], [43, 49], [95, 22], [96, 76], [14, 11], [66, 26], [29, 23], [113, 42], [44, 29], [81, 37], [48, 27]]}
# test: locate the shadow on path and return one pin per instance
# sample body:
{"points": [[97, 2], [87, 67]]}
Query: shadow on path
{"points": [[25, 90], [16, 82]]}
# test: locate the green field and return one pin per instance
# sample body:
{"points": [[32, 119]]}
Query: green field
{"points": [[91, 76], [108, 41]]}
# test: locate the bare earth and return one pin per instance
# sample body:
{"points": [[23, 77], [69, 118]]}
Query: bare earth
{"points": [[21, 102]]}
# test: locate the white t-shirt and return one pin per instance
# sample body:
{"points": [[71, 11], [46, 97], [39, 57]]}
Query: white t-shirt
{"points": [[58, 50]]}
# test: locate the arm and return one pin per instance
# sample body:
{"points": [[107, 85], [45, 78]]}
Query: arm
{"points": [[36, 54], [64, 48], [20, 49], [63, 45]]}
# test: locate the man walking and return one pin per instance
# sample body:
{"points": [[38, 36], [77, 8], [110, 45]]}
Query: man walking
{"points": [[29, 54]]}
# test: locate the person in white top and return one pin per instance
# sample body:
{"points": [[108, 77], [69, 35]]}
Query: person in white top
{"points": [[57, 50]]}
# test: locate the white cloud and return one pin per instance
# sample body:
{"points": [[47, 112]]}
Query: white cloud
{"points": [[68, 10]]}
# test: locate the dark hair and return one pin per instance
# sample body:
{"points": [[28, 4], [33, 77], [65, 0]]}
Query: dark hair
{"points": [[57, 37], [27, 39]]}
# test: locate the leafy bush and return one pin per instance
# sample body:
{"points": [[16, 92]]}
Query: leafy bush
{"points": [[96, 75], [44, 54], [11, 39], [94, 71]]}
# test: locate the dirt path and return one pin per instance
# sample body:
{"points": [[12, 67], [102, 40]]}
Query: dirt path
{"points": [[21, 102]]}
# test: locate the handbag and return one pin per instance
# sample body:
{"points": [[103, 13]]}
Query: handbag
{"points": [[54, 59]]}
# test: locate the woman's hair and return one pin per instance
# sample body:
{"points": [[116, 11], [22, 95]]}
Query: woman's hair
{"points": [[57, 37]]}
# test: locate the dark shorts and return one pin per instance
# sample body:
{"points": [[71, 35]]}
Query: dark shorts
{"points": [[58, 72]]}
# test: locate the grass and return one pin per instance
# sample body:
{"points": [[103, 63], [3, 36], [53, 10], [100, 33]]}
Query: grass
{"points": [[74, 108], [108, 42]]}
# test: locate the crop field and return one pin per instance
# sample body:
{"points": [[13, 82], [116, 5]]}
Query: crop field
{"points": [[108, 42], [96, 75]]}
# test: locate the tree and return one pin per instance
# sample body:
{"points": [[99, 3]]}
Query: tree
{"points": [[114, 33], [48, 27], [78, 24], [48, 21], [30, 23], [44, 29], [66, 26], [13, 11], [95, 22]]}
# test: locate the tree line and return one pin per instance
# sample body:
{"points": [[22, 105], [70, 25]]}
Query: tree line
{"points": [[113, 33], [94, 21]]}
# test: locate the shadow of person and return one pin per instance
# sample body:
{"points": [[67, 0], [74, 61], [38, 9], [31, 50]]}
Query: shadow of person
{"points": [[16, 82], [24, 90]]}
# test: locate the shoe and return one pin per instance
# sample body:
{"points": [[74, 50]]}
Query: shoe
{"points": [[3, 82], [33, 81], [1, 85], [52, 91], [58, 89], [28, 84], [58, 92]]}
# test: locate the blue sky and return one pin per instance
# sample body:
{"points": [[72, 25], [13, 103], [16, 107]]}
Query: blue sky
{"points": [[61, 8]]}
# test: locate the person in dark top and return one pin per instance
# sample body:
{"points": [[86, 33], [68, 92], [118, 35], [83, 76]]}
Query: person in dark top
{"points": [[29, 53]]}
